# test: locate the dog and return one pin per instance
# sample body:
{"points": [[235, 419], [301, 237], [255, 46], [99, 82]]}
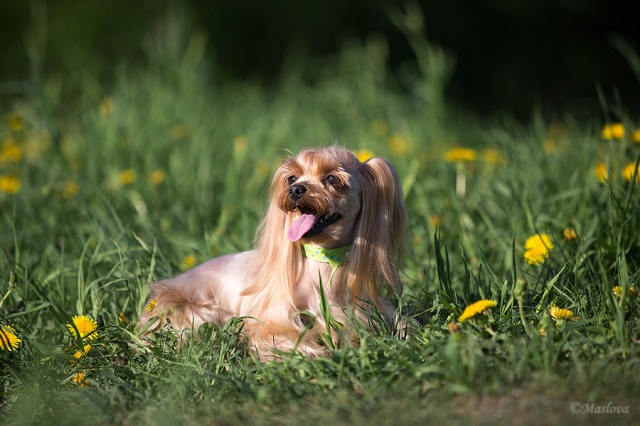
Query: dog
{"points": [[332, 222]]}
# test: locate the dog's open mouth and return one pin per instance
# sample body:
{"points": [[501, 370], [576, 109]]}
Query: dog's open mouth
{"points": [[310, 223]]}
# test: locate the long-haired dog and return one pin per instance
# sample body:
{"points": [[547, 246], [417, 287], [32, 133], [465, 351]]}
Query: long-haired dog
{"points": [[332, 221]]}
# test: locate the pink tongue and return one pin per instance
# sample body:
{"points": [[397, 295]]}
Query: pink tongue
{"points": [[301, 226]]}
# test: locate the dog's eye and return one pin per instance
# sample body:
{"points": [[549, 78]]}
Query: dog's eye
{"points": [[292, 179], [331, 180]]}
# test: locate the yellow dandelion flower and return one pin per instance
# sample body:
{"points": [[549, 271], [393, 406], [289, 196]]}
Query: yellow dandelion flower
{"points": [[16, 122], [476, 308], [106, 107], [612, 131], [562, 314], [157, 176], [631, 292], [635, 136], [549, 146], [70, 189], [617, 131], [492, 156], [537, 248], [629, 171], [460, 154], [570, 234], [9, 184], [435, 220], [86, 327], [80, 353], [379, 127], [397, 144], [151, 305], [9, 341], [10, 152], [127, 177], [81, 380], [178, 131], [188, 262], [601, 172], [240, 144], [363, 155]]}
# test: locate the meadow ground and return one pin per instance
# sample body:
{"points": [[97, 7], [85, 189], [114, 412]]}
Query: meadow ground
{"points": [[105, 188]]}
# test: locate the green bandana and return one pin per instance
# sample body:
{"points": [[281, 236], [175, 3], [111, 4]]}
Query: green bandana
{"points": [[334, 257]]}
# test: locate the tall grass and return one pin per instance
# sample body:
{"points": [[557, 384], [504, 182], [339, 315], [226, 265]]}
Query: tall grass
{"points": [[125, 184]]}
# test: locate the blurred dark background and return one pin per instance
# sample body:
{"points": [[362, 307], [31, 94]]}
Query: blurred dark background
{"points": [[509, 55]]}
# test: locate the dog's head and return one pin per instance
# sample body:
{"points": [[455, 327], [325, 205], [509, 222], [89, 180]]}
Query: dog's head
{"points": [[332, 199], [327, 197], [320, 190]]}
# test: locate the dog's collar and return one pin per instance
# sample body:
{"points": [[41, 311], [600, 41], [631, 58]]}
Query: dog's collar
{"points": [[334, 257]]}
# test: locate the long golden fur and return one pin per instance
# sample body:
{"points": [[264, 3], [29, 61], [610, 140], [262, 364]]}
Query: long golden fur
{"points": [[351, 203]]}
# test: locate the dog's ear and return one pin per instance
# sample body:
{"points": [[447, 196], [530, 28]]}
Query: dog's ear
{"points": [[278, 261], [380, 234]]}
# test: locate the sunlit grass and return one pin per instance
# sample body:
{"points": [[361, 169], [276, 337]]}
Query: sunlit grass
{"points": [[145, 178]]}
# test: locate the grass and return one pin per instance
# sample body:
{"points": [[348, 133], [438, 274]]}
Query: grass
{"points": [[127, 183]]}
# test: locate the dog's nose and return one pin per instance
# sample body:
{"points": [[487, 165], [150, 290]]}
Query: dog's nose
{"points": [[296, 191]]}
